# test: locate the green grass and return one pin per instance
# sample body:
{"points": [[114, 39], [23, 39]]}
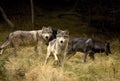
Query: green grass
{"points": [[28, 66]]}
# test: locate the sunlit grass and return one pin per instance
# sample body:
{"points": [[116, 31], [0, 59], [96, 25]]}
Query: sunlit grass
{"points": [[31, 65]]}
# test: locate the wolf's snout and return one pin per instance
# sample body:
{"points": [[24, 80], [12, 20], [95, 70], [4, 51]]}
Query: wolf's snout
{"points": [[46, 37], [61, 41]]}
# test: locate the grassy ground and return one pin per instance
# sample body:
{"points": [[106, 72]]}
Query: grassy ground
{"points": [[28, 66]]}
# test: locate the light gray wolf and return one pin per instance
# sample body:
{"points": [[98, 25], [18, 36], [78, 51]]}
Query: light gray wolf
{"points": [[58, 46], [87, 46], [36, 37]]}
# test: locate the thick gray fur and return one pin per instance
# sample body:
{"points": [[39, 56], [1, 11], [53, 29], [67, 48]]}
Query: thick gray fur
{"points": [[38, 38], [58, 46]]}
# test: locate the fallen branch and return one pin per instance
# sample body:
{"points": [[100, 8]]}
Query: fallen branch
{"points": [[68, 13], [6, 18]]}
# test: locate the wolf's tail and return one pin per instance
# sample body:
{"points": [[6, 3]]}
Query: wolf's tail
{"points": [[7, 41]]}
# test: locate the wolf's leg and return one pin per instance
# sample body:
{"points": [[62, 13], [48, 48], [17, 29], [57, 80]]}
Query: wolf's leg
{"points": [[36, 49], [92, 56], [85, 57], [56, 62], [55, 55], [1, 52], [69, 55], [40, 47], [16, 47], [48, 55], [16, 51], [64, 56], [63, 59]]}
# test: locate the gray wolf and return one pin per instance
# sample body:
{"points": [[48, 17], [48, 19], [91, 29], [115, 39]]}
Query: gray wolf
{"points": [[87, 46], [58, 46], [36, 37]]}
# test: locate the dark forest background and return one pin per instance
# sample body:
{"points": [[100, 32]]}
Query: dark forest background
{"points": [[100, 14]]}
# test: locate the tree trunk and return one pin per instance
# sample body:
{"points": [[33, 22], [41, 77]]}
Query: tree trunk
{"points": [[6, 18], [74, 6], [32, 11], [72, 11]]}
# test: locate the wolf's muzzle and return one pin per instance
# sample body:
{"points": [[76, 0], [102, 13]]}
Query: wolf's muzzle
{"points": [[46, 37], [61, 41]]}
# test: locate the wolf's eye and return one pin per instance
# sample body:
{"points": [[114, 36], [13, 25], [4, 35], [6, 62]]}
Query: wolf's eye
{"points": [[43, 32], [49, 32], [65, 36], [58, 35]]}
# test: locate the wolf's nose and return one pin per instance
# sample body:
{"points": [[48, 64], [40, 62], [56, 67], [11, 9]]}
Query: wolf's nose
{"points": [[61, 41], [46, 37]]}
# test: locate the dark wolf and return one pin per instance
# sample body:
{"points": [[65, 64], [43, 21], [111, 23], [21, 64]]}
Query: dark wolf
{"points": [[87, 46]]}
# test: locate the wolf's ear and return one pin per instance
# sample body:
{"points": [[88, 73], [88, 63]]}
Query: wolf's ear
{"points": [[107, 43], [43, 27], [67, 32], [50, 28], [58, 31]]}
